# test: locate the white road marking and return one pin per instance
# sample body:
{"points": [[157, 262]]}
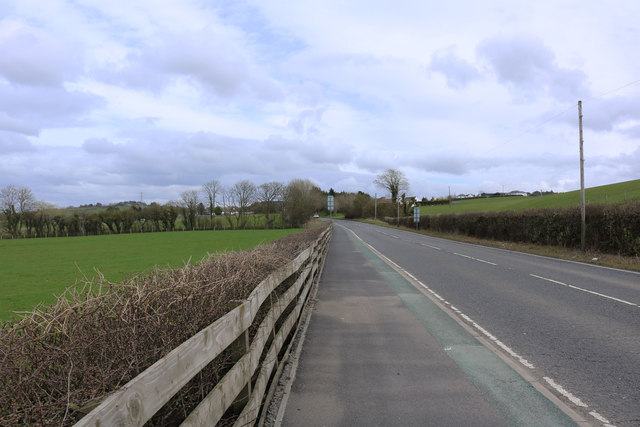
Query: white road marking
{"points": [[600, 418], [432, 247], [585, 290], [475, 259], [499, 343], [576, 401]]}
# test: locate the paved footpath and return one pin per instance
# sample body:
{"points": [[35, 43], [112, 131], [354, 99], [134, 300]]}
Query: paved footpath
{"points": [[379, 352]]}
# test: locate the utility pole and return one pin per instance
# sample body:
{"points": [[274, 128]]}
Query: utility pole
{"points": [[583, 214]]}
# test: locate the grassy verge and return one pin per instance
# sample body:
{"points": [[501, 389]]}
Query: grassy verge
{"points": [[32, 271], [606, 260]]}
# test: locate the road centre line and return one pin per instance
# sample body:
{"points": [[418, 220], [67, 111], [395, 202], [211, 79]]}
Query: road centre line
{"points": [[585, 290], [475, 259], [432, 247]]}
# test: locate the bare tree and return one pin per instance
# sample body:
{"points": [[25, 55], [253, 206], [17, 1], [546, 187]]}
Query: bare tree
{"points": [[15, 203], [267, 194], [228, 206], [394, 181], [189, 205], [210, 190], [244, 194]]}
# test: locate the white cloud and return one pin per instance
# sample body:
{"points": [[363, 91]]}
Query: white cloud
{"points": [[458, 72], [115, 98], [527, 65], [33, 57], [12, 143], [8, 123]]}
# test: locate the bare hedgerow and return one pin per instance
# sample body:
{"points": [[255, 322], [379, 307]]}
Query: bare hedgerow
{"points": [[613, 228], [60, 361]]}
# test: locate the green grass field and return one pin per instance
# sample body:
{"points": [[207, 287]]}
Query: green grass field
{"points": [[34, 270], [614, 193]]}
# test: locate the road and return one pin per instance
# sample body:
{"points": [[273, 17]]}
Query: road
{"points": [[573, 327]]}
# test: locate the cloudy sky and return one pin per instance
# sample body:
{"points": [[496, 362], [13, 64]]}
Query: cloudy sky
{"points": [[101, 101]]}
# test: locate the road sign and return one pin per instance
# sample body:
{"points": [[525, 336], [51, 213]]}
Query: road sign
{"points": [[330, 204], [416, 215]]}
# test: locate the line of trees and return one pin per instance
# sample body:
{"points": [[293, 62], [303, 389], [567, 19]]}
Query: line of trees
{"points": [[294, 203], [213, 206], [48, 221]]}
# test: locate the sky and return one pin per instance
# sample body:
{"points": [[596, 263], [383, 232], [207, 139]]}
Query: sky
{"points": [[105, 101]]}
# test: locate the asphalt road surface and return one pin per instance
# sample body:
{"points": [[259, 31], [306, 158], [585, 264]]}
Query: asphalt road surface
{"points": [[391, 339], [572, 327]]}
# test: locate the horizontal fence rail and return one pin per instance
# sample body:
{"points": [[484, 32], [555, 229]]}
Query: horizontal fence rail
{"points": [[249, 378]]}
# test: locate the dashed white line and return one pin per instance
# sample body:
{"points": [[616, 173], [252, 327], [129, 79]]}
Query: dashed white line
{"points": [[499, 343], [576, 401], [432, 247], [585, 290], [475, 259], [600, 418]]}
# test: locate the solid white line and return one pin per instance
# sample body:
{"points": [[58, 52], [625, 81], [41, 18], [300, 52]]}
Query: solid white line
{"points": [[576, 401], [585, 290]]}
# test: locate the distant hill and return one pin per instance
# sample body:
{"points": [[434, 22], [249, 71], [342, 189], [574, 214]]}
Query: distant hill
{"points": [[612, 193]]}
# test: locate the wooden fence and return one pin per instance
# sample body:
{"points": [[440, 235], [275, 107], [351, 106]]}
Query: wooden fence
{"points": [[246, 383]]}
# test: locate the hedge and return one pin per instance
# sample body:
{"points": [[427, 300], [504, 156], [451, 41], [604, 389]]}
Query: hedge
{"points": [[609, 228]]}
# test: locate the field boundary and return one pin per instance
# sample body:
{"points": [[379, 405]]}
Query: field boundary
{"points": [[243, 388]]}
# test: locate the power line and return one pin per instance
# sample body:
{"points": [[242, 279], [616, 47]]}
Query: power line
{"points": [[614, 90], [541, 124], [523, 133]]}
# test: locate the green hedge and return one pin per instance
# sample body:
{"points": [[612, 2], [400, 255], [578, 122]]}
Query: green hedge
{"points": [[610, 228]]}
